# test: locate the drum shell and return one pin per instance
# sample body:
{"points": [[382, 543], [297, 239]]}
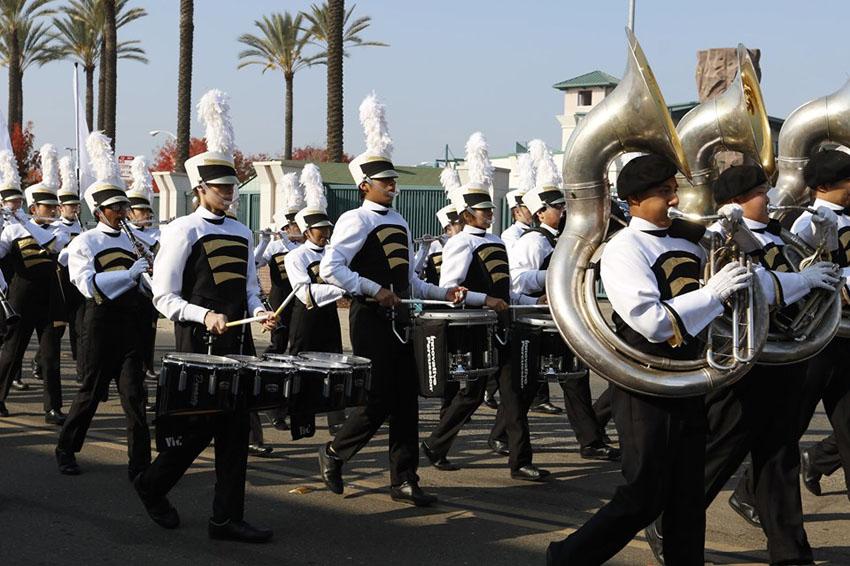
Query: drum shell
{"points": [[541, 354], [189, 389], [264, 388], [317, 390], [358, 385]]}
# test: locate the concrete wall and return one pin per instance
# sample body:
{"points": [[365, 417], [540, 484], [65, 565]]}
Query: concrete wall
{"points": [[568, 119], [173, 189]]}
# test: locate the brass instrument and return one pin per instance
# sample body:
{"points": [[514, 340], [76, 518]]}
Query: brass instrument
{"points": [[633, 117], [733, 121]]}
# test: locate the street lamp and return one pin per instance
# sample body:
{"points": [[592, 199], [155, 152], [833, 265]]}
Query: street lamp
{"points": [[166, 132]]}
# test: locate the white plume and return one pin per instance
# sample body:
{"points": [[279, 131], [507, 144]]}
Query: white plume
{"points": [[142, 178], [102, 160], [9, 169], [49, 166], [311, 179], [525, 172], [478, 160], [449, 179], [293, 191], [68, 176], [373, 118], [537, 149], [214, 113], [547, 171]]}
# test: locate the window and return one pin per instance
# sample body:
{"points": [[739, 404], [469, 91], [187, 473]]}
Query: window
{"points": [[585, 97]]}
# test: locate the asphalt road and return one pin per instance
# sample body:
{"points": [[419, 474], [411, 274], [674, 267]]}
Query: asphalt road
{"points": [[483, 516]]}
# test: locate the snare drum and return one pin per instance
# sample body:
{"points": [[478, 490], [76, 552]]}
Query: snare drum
{"points": [[453, 346], [319, 387], [266, 384], [542, 353], [357, 388], [196, 384]]}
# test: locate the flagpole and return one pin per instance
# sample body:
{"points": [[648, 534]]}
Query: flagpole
{"points": [[77, 124]]}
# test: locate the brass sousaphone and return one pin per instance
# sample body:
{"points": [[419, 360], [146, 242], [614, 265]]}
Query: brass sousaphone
{"points": [[632, 118]]}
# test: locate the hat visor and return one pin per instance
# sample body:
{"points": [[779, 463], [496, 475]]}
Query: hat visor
{"points": [[321, 224], [226, 180], [560, 200], [388, 174], [141, 207], [48, 202], [483, 205], [114, 200]]}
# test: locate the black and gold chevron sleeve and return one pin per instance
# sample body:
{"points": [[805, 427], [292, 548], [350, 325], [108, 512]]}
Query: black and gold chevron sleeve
{"points": [[227, 257], [495, 259], [114, 259], [677, 272], [394, 243], [31, 253]]}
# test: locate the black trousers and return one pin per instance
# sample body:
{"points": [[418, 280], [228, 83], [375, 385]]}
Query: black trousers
{"points": [[181, 439], [114, 348], [759, 415], [663, 445], [279, 341], [33, 318], [512, 417], [602, 408], [827, 378], [394, 394]]}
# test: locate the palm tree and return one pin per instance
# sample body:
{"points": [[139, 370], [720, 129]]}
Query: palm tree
{"points": [[110, 69], [79, 38], [17, 18], [184, 83], [333, 28], [280, 46]]}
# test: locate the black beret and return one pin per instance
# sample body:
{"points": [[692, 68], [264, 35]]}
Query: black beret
{"points": [[642, 173], [736, 181], [827, 167]]}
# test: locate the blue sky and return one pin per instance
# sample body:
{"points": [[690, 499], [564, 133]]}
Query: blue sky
{"points": [[453, 67]]}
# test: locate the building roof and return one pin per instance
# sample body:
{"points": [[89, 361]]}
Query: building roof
{"points": [[593, 78]]}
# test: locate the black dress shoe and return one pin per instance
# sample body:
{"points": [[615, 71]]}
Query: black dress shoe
{"points": [[238, 531], [439, 462], [529, 473], [20, 385], [159, 509], [491, 402], [655, 540], [280, 423], [499, 447], [547, 408], [745, 510], [811, 479], [35, 370], [335, 428], [67, 463], [554, 555], [151, 375], [600, 451], [54, 417], [259, 450], [4, 412], [410, 492], [331, 469], [133, 472]]}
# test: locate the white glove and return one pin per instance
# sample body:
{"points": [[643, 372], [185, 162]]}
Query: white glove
{"points": [[136, 270], [825, 224], [822, 275], [729, 280], [731, 212], [266, 235]]}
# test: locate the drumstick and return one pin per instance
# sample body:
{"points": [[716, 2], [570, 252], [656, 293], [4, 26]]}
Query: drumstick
{"points": [[429, 302], [263, 317], [520, 307]]}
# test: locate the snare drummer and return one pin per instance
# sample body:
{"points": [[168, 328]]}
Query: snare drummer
{"points": [[529, 259], [478, 261], [370, 256], [315, 322], [651, 273], [204, 275], [103, 266]]}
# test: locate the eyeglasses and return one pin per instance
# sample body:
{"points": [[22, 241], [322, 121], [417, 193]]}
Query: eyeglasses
{"points": [[118, 206], [559, 206]]}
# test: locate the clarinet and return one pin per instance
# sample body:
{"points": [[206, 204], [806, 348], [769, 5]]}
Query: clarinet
{"points": [[142, 251]]}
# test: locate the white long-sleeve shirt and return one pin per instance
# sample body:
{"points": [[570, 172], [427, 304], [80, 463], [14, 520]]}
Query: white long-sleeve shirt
{"points": [[527, 258], [351, 232], [512, 233], [302, 266], [634, 266], [177, 240], [98, 260]]}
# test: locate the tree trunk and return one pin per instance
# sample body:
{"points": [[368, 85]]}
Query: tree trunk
{"points": [[287, 146], [110, 35], [336, 13], [15, 86], [184, 84], [101, 86], [89, 96], [19, 114]]}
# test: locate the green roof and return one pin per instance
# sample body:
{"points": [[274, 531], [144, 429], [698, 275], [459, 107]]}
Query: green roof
{"points": [[337, 174], [593, 78]]}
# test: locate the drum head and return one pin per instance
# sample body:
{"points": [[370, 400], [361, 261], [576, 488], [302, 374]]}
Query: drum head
{"points": [[544, 320], [244, 359], [356, 361], [269, 365], [321, 366], [204, 360], [461, 317], [282, 358]]}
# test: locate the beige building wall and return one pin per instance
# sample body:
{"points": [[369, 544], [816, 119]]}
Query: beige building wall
{"points": [[574, 108]]}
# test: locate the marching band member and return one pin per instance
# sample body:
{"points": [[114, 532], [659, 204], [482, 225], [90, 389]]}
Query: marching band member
{"points": [[478, 261], [757, 415], [519, 211], [140, 217], [429, 258], [315, 322], [103, 265], [529, 260], [204, 276], [12, 199], [370, 257], [32, 247], [659, 308]]}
